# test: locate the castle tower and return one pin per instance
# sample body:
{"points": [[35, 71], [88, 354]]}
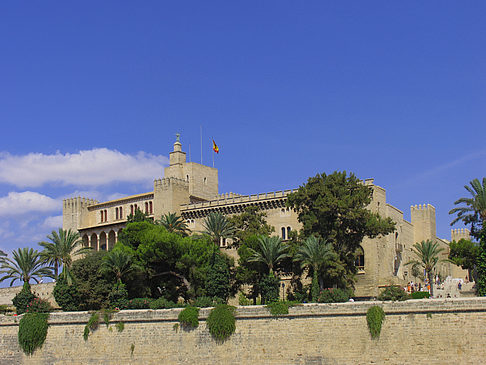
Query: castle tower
{"points": [[423, 221], [460, 233], [75, 211]]}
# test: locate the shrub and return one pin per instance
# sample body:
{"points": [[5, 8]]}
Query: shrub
{"points": [[118, 296], [279, 308], [243, 300], [5, 309], [120, 326], [420, 295], [375, 317], [203, 302], [218, 283], [269, 286], [23, 298], [92, 325], [67, 296], [221, 322], [163, 303], [393, 293], [139, 303], [38, 305], [335, 295], [188, 317], [32, 331]]}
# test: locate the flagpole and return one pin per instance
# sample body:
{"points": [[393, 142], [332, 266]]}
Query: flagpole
{"points": [[213, 152], [201, 145]]}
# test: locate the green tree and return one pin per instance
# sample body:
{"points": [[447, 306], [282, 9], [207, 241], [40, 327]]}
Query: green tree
{"points": [[249, 223], [335, 207], [218, 282], [218, 227], [118, 263], [174, 224], [464, 253], [271, 251], [427, 253], [316, 255], [25, 265], [473, 212], [60, 251], [138, 216]]}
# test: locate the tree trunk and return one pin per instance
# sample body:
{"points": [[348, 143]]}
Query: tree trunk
{"points": [[184, 280]]}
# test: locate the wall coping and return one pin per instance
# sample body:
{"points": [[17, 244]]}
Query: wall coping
{"points": [[413, 306]]}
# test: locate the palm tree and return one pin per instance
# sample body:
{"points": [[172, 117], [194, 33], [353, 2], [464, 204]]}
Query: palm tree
{"points": [[271, 251], [427, 253], [474, 210], [25, 265], [174, 224], [60, 251], [315, 254], [119, 263], [217, 226]]}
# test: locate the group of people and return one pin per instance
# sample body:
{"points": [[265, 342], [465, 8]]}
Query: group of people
{"points": [[413, 287]]}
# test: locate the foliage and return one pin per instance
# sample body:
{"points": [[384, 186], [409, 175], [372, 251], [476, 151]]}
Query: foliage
{"points": [[335, 295], [375, 317], [23, 298], [117, 262], [92, 325], [464, 253], [38, 305], [60, 251], [335, 207], [249, 272], [174, 224], [25, 265], [4, 308], [481, 264], [217, 226], [221, 322], [280, 307], [92, 285], [393, 293], [427, 253], [188, 317], [474, 210], [249, 223], [420, 295], [269, 288], [271, 251], [243, 300], [32, 331], [118, 296], [203, 302], [139, 303], [162, 303], [218, 283], [120, 326], [67, 296], [138, 216]]}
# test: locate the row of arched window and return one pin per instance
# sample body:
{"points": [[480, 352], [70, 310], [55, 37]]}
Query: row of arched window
{"points": [[286, 233], [149, 209], [104, 215]]}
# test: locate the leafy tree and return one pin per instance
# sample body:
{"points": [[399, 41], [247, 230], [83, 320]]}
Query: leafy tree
{"points": [[269, 287], [249, 223], [474, 213], [174, 224], [271, 252], [119, 263], [133, 234], [249, 272], [217, 226], [474, 210], [25, 265], [464, 253], [60, 251], [427, 253], [335, 207], [316, 255], [218, 282], [138, 216], [93, 286], [67, 296], [23, 298]]}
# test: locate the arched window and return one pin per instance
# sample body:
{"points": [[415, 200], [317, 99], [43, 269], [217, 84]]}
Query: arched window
{"points": [[187, 178], [146, 208], [288, 232], [360, 259], [205, 181], [120, 213], [283, 233], [151, 208], [106, 215], [116, 213], [101, 216], [131, 209]]}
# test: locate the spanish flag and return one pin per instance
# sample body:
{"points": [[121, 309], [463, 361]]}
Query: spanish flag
{"points": [[215, 147]]}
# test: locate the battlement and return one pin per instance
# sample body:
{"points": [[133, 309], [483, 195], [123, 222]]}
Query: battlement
{"points": [[78, 202], [229, 195], [422, 207], [460, 233], [166, 182], [236, 199]]}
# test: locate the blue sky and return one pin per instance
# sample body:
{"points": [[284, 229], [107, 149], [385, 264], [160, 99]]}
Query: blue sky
{"points": [[92, 94]]}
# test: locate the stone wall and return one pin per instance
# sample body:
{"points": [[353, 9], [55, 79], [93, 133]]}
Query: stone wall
{"points": [[43, 291], [419, 331]]}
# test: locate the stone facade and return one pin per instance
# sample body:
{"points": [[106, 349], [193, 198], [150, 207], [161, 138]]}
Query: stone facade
{"points": [[417, 331], [191, 190]]}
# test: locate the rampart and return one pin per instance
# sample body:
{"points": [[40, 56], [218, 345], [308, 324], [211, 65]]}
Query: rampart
{"points": [[450, 331]]}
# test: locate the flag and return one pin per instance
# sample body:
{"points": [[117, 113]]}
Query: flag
{"points": [[215, 147]]}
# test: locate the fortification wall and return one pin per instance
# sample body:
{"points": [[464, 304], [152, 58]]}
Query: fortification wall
{"points": [[43, 291], [421, 331]]}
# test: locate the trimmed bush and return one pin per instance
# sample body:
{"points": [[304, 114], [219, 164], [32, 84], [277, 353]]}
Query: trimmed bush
{"points": [[188, 317], [243, 300], [163, 303], [203, 302], [269, 287], [118, 296], [279, 308], [375, 317], [221, 322], [23, 298], [67, 296], [32, 331], [393, 293], [139, 303], [335, 295], [38, 305], [420, 295]]}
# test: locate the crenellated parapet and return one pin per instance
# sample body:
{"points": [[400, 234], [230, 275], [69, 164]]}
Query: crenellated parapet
{"points": [[78, 202], [460, 233], [167, 182]]}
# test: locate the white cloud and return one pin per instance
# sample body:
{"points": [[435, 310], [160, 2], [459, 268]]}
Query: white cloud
{"points": [[94, 167], [25, 202], [53, 222]]}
